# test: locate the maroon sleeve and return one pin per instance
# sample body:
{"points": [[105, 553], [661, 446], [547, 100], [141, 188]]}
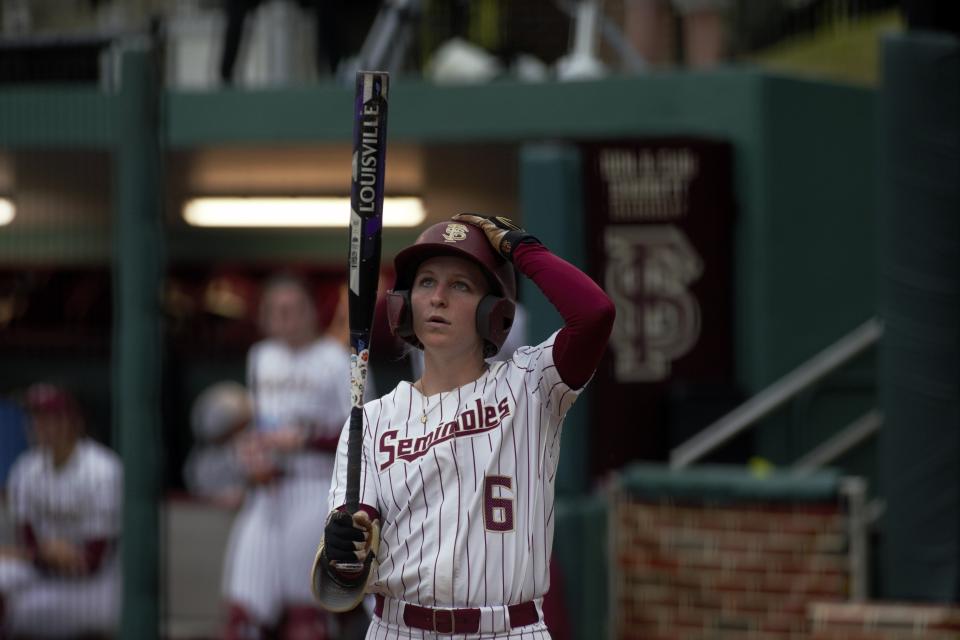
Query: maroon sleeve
{"points": [[586, 310], [323, 443], [95, 551], [29, 541]]}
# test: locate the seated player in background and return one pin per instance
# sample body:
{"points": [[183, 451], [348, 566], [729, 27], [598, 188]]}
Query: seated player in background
{"points": [[62, 578], [458, 468], [220, 414]]}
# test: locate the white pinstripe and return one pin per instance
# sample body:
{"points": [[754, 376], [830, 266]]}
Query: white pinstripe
{"points": [[437, 550]]}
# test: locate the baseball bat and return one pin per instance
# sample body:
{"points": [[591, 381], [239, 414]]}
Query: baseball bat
{"points": [[366, 230], [363, 275]]}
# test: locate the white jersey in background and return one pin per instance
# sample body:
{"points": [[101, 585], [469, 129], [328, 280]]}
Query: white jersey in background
{"points": [[308, 387], [463, 522], [78, 503], [275, 535]]}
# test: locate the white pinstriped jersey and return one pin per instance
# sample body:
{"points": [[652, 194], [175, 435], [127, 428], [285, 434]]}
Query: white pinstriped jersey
{"points": [[306, 387], [465, 499], [78, 502]]}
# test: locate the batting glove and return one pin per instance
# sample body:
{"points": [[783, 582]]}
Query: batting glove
{"points": [[347, 543], [503, 234]]}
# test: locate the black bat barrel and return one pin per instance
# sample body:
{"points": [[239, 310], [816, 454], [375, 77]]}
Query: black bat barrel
{"points": [[366, 230]]}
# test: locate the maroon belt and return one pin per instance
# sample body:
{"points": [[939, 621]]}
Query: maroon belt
{"points": [[458, 620]]}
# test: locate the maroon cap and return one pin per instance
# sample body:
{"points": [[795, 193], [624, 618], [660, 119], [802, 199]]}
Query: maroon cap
{"points": [[44, 397]]}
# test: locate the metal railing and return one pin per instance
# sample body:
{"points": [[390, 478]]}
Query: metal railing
{"points": [[854, 491], [778, 394], [862, 513], [860, 430]]}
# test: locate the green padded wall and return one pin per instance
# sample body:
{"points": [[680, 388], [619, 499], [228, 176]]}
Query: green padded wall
{"points": [[137, 339], [920, 296], [551, 202]]}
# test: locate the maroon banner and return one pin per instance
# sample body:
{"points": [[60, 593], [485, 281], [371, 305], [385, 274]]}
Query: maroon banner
{"points": [[660, 227]]}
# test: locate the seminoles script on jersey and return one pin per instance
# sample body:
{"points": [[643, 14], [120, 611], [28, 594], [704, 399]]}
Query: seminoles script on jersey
{"points": [[466, 498], [468, 423]]}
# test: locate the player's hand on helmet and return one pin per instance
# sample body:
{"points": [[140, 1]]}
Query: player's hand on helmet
{"points": [[348, 541], [503, 234]]}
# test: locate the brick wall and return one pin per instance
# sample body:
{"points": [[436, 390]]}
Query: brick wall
{"points": [[739, 570], [883, 621]]}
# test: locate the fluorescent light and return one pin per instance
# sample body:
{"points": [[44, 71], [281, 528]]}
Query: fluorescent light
{"points": [[7, 211], [405, 211]]}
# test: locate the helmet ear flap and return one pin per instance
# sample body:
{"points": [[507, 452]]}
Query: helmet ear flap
{"points": [[400, 316], [494, 319]]}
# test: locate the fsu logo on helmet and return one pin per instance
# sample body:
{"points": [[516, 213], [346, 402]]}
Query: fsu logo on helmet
{"points": [[455, 232]]}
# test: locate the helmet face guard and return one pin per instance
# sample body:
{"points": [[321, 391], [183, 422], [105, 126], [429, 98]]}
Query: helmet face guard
{"points": [[496, 309]]}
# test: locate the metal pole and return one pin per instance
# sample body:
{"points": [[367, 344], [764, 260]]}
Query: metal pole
{"points": [[855, 491], [860, 430], [137, 337]]}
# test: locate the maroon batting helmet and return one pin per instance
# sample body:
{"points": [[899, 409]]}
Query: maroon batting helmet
{"points": [[495, 311]]}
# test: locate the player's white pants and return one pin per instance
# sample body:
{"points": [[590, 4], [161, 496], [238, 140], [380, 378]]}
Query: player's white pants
{"points": [[272, 544], [37, 605]]}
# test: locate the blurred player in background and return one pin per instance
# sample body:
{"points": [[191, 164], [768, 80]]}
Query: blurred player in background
{"points": [[299, 383], [458, 467], [62, 579], [220, 415]]}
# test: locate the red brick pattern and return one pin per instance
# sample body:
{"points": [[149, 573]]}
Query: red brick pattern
{"points": [[740, 571]]}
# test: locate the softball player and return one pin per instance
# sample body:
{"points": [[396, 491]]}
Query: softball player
{"points": [[63, 579], [459, 467], [219, 416], [299, 385]]}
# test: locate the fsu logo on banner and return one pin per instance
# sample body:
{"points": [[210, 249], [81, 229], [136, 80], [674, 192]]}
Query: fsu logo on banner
{"points": [[660, 228], [649, 270]]}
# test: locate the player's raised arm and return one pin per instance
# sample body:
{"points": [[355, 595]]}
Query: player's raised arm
{"points": [[587, 311]]}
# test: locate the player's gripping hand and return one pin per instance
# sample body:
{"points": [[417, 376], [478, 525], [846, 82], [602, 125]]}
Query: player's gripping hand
{"points": [[62, 557], [503, 234], [348, 541], [257, 459]]}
